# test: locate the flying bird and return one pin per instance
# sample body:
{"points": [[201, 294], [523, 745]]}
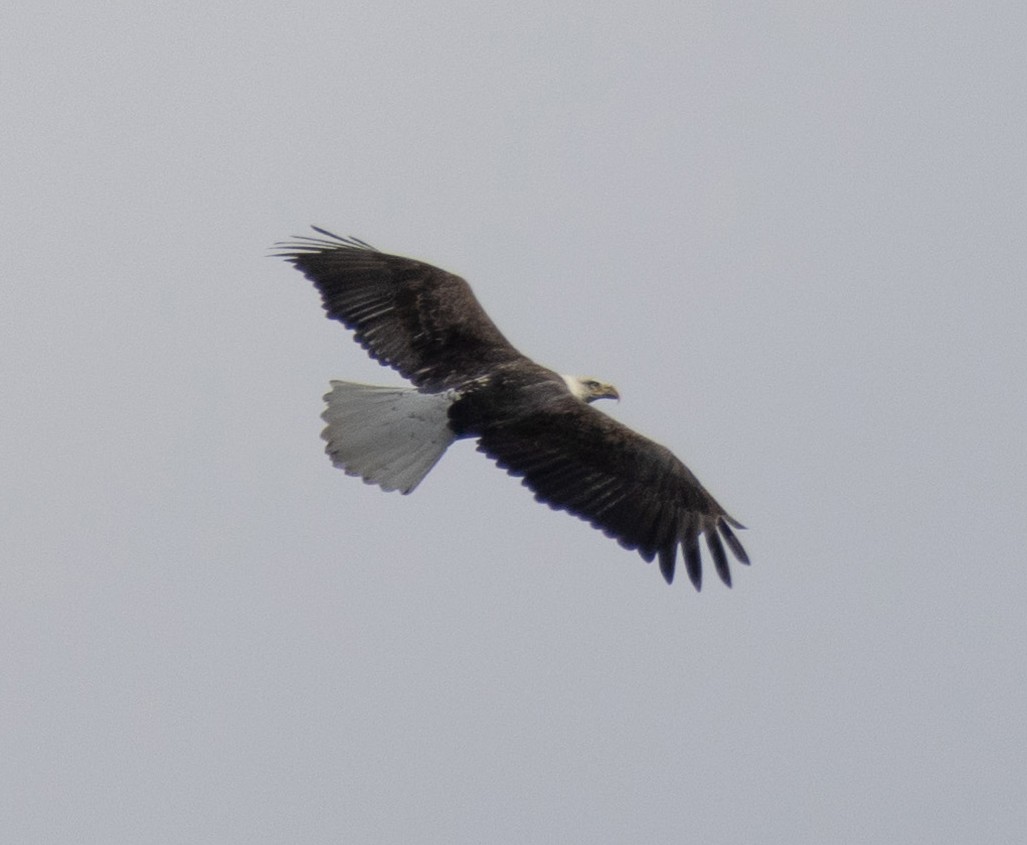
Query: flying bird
{"points": [[470, 382]]}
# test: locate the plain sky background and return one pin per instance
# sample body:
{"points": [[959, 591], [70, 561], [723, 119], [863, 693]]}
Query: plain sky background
{"points": [[792, 233]]}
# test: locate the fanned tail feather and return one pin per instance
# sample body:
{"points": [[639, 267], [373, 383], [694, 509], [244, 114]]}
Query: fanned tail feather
{"points": [[388, 436]]}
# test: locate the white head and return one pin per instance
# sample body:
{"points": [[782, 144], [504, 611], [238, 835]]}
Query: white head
{"points": [[588, 389]]}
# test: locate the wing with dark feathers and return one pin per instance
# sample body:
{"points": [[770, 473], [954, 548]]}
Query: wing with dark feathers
{"points": [[578, 459], [420, 320]]}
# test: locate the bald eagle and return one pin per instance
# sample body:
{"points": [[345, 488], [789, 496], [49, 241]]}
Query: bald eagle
{"points": [[470, 382]]}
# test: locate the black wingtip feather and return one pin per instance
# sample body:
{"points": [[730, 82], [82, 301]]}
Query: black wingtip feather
{"points": [[693, 559], [667, 560], [719, 557], [733, 543], [326, 233]]}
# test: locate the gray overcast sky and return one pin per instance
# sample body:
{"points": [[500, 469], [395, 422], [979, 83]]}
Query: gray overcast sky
{"points": [[791, 233]]}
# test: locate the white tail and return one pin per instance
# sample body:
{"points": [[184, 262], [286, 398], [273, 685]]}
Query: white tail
{"points": [[389, 436]]}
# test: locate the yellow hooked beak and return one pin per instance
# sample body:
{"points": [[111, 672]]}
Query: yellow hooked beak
{"points": [[604, 391]]}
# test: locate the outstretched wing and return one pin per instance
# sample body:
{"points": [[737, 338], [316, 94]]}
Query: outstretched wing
{"points": [[420, 320], [580, 460]]}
